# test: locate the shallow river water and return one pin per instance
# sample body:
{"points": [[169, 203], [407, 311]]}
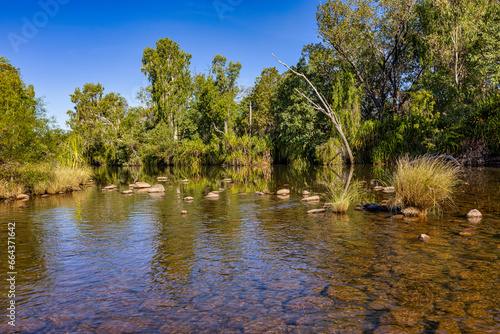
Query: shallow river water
{"points": [[103, 262]]}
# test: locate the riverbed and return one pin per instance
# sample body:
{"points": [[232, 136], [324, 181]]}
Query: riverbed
{"points": [[104, 262]]}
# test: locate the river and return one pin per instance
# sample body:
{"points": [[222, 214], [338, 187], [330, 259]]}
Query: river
{"points": [[103, 262]]}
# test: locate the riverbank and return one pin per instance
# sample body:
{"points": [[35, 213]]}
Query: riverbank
{"points": [[17, 179]]}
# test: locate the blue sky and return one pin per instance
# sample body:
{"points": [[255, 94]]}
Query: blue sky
{"points": [[62, 44]]}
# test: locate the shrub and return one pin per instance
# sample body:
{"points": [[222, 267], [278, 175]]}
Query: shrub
{"points": [[425, 182]]}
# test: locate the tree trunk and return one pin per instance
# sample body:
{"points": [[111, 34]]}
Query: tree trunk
{"points": [[250, 119]]}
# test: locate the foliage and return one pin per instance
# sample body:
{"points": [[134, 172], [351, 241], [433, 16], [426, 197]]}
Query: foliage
{"points": [[425, 182], [167, 68], [26, 134], [98, 121]]}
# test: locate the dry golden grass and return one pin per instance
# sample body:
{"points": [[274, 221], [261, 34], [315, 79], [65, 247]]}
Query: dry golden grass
{"points": [[340, 199], [425, 182], [43, 178]]}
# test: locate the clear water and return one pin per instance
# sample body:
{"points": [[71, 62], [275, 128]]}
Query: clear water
{"points": [[103, 262]]}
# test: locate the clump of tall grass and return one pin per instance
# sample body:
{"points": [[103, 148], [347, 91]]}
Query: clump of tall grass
{"points": [[341, 198], [41, 178], [424, 183]]}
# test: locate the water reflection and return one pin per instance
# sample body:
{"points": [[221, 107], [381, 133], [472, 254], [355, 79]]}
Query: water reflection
{"points": [[103, 262]]}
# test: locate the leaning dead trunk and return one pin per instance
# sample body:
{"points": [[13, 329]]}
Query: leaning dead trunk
{"points": [[324, 108]]}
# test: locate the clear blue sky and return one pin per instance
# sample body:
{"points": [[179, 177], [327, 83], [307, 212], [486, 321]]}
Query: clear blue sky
{"points": [[74, 41]]}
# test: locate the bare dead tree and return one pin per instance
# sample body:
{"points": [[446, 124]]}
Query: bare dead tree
{"points": [[324, 108]]}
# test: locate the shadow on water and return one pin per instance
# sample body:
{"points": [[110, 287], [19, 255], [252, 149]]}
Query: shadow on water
{"points": [[105, 262]]}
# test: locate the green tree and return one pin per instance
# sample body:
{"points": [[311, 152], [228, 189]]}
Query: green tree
{"points": [[26, 133], [98, 120], [225, 76], [167, 68], [379, 42], [261, 98]]}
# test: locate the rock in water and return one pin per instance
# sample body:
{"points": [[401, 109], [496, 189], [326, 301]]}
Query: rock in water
{"points": [[127, 192], [162, 179], [22, 196], [306, 193], [424, 238], [474, 214], [283, 192], [315, 211], [157, 188], [184, 213], [141, 185], [311, 199], [189, 199]]}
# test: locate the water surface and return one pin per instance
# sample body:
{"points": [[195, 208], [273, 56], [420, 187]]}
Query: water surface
{"points": [[103, 262]]}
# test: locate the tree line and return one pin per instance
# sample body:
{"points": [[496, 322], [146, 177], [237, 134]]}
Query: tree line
{"points": [[400, 77]]}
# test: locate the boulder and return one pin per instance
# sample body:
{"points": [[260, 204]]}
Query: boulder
{"points": [[157, 188], [127, 192], [311, 199], [189, 199], [132, 186], [373, 207], [315, 211], [283, 192], [306, 193], [111, 187], [141, 185], [474, 214], [22, 197], [424, 238]]}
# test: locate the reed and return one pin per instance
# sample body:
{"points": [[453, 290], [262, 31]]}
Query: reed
{"points": [[425, 182], [341, 198]]}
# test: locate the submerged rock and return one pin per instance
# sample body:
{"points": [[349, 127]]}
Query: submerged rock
{"points": [[283, 196], [157, 188], [424, 238], [189, 199], [127, 192], [212, 196], [259, 193], [111, 187]]}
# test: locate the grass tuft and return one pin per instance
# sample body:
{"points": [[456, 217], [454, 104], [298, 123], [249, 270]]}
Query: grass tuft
{"points": [[342, 199], [424, 183]]}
